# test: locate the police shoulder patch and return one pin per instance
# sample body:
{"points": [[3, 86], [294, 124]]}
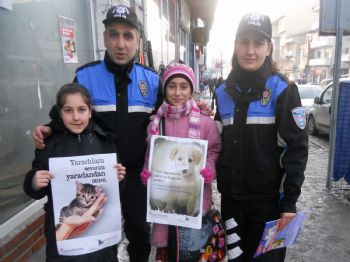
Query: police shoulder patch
{"points": [[299, 117], [143, 88]]}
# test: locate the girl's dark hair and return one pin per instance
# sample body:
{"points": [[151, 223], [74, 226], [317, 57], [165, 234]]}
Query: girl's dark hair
{"points": [[69, 89]]}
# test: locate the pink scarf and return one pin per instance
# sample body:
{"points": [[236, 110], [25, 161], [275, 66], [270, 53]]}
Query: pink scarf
{"points": [[174, 112]]}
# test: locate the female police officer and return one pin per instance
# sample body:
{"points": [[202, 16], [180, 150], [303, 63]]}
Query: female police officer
{"points": [[265, 145]]}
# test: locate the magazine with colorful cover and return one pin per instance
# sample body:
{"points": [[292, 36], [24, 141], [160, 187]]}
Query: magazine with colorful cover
{"points": [[274, 238], [85, 186], [175, 190]]}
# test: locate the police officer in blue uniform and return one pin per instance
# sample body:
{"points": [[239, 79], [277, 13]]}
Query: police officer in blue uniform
{"points": [[125, 94], [260, 170]]}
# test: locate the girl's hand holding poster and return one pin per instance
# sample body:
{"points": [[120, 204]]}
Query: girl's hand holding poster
{"points": [[85, 193], [175, 190]]}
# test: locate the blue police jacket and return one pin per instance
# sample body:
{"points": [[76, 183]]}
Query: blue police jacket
{"points": [[142, 93], [259, 111], [124, 102], [265, 144]]}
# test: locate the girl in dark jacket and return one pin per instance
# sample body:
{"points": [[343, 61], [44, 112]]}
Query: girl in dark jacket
{"points": [[74, 134]]}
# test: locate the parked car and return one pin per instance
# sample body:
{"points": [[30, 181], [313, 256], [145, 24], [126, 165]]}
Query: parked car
{"points": [[307, 94], [325, 82], [319, 119]]}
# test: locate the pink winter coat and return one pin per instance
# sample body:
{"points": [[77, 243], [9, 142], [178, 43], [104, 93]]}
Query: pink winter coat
{"points": [[179, 128]]}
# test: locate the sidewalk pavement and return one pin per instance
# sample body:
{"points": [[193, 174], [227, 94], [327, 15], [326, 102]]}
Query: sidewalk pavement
{"points": [[325, 235]]}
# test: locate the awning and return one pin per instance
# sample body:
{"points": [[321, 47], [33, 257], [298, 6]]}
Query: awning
{"points": [[203, 9]]}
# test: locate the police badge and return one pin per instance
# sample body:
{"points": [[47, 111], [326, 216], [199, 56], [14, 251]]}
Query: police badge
{"points": [[299, 117], [266, 97], [143, 88]]}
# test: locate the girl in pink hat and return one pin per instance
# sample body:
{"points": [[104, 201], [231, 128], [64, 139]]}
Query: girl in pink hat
{"points": [[182, 119]]}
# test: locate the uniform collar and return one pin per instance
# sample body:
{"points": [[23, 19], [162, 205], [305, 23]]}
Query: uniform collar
{"points": [[120, 70], [246, 86]]}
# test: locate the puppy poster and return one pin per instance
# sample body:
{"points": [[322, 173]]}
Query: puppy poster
{"points": [[175, 189]]}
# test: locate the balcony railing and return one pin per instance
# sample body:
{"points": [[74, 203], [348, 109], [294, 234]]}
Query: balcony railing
{"points": [[320, 62], [345, 58], [322, 42], [289, 53]]}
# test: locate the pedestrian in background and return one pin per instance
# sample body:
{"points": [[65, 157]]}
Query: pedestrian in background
{"points": [[125, 94], [182, 118], [260, 170], [74, 134], [217, 84], [212, 82]]}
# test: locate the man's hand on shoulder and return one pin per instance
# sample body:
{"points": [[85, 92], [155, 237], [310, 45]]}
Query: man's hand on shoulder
{"points": [[204, 107], [39, 134]]}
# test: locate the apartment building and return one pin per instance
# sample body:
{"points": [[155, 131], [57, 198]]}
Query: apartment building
{"points": [[302, 54]]}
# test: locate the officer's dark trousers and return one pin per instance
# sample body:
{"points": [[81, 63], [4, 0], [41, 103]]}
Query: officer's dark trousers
{"points": [[133, 198], [250, 217]]}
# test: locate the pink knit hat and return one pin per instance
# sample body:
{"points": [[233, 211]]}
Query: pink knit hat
{"points": [[178, 70]]}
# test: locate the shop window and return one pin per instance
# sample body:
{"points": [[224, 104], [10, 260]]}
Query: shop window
{"points": [[165, 8], [172, 13], [32, 70], [318, 54]]}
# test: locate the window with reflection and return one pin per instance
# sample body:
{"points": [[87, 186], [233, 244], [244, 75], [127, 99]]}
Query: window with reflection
{"points": [[32, 70], [327, 96]]}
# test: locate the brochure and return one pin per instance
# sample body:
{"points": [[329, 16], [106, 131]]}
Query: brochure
{"points": [[274, 238]]}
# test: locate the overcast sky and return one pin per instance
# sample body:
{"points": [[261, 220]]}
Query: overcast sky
{"points": [[227, 16]]}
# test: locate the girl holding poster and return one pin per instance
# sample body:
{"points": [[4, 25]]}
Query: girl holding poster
{"points": [[183, 119], [74, 134]]}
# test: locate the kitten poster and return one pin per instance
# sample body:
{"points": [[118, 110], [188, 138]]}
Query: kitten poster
{"points": [[85, 194], [175, 189]]}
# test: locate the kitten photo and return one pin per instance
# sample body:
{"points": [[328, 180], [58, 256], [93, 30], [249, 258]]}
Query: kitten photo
{"points": [[86, 195]]}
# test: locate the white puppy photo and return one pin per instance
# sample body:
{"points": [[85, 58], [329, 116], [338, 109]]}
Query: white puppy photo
{"points": [[176, 184]]}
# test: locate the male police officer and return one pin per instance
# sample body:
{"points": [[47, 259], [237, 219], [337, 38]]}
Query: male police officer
{"points": [[124, 93]]}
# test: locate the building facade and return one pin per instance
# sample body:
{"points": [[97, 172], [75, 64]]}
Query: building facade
{"points": [[302, 54]]}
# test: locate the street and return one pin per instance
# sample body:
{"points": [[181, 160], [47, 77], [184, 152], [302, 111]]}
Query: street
{"points": [[325, 235]]}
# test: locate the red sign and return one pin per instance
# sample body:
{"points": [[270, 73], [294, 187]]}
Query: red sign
{"points": [[218, 65]]}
